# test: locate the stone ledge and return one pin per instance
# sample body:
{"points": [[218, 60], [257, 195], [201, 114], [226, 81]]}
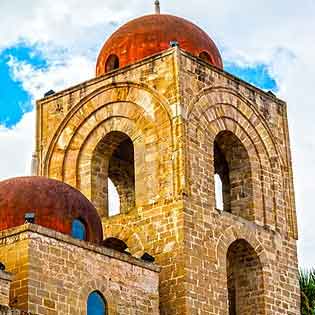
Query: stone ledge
{"points": [[5, 276], [37, 229], [4, 310]]}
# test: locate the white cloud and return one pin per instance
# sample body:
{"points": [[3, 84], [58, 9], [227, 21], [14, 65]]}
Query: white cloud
{"points": [[277, 33], [17, 143], [56, 77], [16, 148], [62, 23]]}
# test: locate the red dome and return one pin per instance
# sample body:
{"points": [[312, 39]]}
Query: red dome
{"points": [[152, 34], [54, 203]]}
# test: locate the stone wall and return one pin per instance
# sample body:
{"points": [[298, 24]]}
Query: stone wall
{"points": [[5, 283], [173, 106], [217, 104], [14, 255], [61, 272], [114, 159], [136, 102]]}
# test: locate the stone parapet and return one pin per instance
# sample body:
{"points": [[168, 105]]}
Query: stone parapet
{"points": [[55, 274]]}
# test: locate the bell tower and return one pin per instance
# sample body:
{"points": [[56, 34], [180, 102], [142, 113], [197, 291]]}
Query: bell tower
{"points": [[174, 133]]}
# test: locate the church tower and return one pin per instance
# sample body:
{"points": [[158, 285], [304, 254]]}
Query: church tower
{"points": [[175, 133]]}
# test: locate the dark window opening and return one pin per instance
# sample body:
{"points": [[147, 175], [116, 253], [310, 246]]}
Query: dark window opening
{"points": [[121, 172], [96, 304], [244, 280], [113, 176], [116, 244], [233, 178], [112, 63], [231, 294], [205, 57], [78, 230]]}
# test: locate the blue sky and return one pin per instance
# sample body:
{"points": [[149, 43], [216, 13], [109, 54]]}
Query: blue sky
{"points": [[15, 101], [257, 75]]}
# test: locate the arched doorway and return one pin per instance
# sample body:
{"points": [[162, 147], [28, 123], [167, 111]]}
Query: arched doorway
{"points": [[245, 280]]}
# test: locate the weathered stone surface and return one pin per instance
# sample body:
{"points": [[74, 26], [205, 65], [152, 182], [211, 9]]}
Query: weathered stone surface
{"points": [[173, 107], [54, 274], [5, 310], [5, 283]]}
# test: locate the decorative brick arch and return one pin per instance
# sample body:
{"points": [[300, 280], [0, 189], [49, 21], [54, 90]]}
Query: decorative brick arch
{"points": [[102, 286], [154, 107], [134, 237], [228, 237], [220, 95], [209, 130], [124, 108], [90, 133], [87, 141], [253, 263], [224, 110], [115, 92], [263, 214]]}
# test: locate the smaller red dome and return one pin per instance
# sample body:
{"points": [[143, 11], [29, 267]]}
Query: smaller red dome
{"points": [[151, 34], [55, 205]]}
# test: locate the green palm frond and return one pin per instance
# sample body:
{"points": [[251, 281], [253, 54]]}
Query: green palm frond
{"points": [[307, 285]]}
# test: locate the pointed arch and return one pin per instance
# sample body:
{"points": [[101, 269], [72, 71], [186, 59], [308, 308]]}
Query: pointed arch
{"points": [[122, 108], [96, 286], [132, 236], [217, 109], [244, 279], [129, 92]]}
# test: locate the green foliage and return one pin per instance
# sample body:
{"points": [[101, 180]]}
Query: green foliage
{"points": [[307, 285]]}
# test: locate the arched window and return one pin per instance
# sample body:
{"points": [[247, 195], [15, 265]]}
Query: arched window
{"points": [[232, 167], [113, 174], [96, 304], [112, 63], [245, 282], [78, 230], [205, 57]]}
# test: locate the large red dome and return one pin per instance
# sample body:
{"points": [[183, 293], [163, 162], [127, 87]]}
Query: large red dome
{"points": [[54, 203], [152, 34]]}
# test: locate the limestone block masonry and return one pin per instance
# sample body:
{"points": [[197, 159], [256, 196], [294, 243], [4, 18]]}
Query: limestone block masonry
{"points": [[5, 282], [54, 274], [181, 121]]}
